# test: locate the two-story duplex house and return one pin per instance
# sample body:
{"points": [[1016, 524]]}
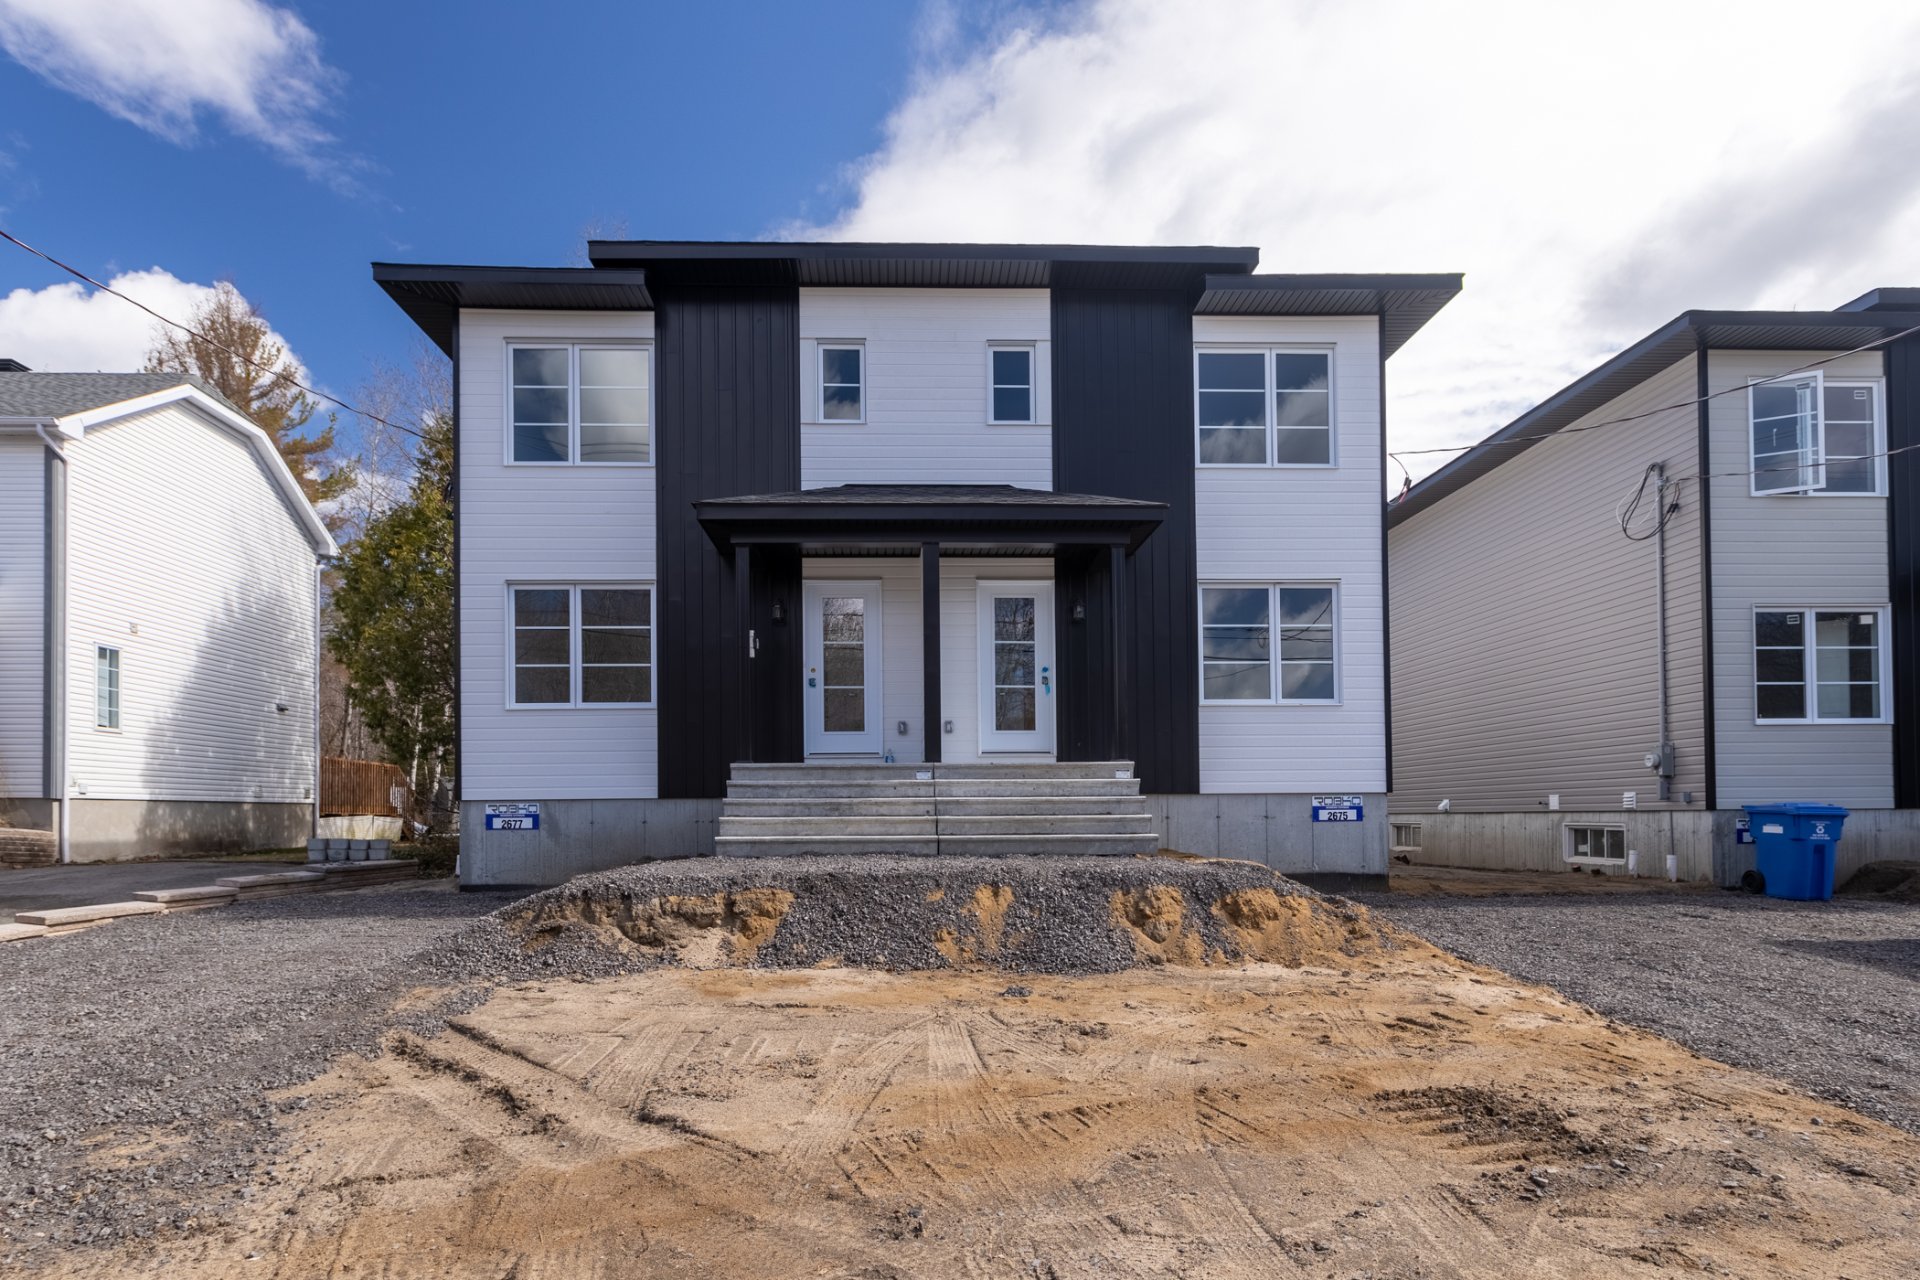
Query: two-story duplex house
{"points": [[1682, 584], [997, 531]]}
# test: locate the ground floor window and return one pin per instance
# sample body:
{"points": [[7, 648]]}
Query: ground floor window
{"points": [[106, 687], [1406, 835], [1595, 843], [1268, 643], [1813, 665], [580, 645]]}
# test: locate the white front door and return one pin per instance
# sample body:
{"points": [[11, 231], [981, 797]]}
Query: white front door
{"points": [[843, 669], [1017, 678]]}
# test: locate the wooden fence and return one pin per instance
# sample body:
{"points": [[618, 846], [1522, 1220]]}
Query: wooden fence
{"points": [[363, 787]]}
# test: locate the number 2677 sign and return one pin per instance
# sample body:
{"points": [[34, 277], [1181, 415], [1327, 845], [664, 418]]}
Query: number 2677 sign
{"points": [[1338, 809], [513, 817]]}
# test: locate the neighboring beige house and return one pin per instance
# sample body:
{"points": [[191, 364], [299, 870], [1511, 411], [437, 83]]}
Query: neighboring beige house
{"points": [[158, 622], [1680, 585]]}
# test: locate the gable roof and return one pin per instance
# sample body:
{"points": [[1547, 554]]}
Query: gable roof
{"points": [[73, 403], [1691, 331]]}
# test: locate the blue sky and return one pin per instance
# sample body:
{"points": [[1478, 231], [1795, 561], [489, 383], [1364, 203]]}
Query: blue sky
{"points": [[1591, 179]]}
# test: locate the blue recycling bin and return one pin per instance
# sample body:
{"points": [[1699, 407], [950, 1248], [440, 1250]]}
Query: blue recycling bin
{"points": [[1793, 847]]}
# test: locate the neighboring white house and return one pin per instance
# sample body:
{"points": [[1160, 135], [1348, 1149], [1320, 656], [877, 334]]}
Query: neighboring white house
{"points": [[158, 621]]}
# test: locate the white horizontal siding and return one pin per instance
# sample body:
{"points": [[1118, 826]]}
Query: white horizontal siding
{"points": [[1277, 524], [23, 493], [542, 524], [926, 393], [1525, 627], [1787, 550], [902, 686], [184, 554]]}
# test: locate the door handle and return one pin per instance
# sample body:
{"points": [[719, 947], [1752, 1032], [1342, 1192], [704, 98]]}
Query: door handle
{"points": [[1046, 682]]}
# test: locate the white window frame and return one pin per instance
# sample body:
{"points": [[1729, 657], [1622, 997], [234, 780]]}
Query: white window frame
{"points": [[1032, 384], [575, 679], [1567, 854], [1810, 664], [115, 703], [820, 371], [1273, 589], [1396, 825], [1762, 486], [1269, 351], [573, 347]]}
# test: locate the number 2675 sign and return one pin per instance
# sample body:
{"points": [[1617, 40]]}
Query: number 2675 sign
{"points": [[1338, 809]]}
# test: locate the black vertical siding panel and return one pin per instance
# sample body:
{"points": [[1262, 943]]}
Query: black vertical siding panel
{"points": [[1903, 563], [1123, 391], [729, 424]]}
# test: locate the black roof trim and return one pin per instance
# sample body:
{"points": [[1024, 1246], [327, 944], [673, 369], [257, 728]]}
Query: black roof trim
{"points": [[431, 294], [1884, 299], [907, 513], [888, 264], [1679, 337], [1404, 302]]}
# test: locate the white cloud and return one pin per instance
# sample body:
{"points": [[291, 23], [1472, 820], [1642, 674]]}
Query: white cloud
{"points": [[162, 64], [73, 329], [1594, 171]]}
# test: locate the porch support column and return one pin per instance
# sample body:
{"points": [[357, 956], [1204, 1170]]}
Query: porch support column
{"points": [[1120, 637], [930, 648], [743, 609]]}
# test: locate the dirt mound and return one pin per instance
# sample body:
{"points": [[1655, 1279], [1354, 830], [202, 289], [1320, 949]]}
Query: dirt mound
{"points": [[1041, 915], [1887, 881]]}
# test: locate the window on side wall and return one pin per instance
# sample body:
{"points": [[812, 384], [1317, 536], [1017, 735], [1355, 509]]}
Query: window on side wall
{"points": [[1812, 435], [1819, 665], [586, 404], [843, 383], [579, 646], [1594, 843], [1011, 392], [106, 688], [1263, 407], [1272, 643]]}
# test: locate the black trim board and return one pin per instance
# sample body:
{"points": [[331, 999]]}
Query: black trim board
{"points": [[432, 294], [1903, 563], [1703, 465], [1123, 397], [728, 388]]}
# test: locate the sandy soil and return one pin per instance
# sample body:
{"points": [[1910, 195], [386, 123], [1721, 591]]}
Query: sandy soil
{"points": [[1405, 1115]]}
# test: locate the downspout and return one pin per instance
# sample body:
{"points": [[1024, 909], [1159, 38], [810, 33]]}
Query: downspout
{"points": [[313, 812], [54, 657]]}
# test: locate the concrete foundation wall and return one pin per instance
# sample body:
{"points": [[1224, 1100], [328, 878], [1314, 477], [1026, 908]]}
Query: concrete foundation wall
{"points": [[1276, 829], [1704, 842], [577, 836], [119, 830]]}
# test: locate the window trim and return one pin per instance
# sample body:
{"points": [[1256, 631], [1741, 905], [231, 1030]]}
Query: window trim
{"points": [[1810, 664], [573, 347], [116, 705], [1823, 381], [1032, 385], [821, 347], [1268, 350], [1566, 843], [1396, 825], [1273, 589], [575, 644]]}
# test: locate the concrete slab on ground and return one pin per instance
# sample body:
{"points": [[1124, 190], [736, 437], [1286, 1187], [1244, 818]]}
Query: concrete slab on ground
{"points": [[81, 884]]}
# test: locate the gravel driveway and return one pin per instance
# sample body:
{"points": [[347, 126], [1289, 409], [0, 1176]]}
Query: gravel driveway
{"points": [[184, 1020], [1826, 994]]}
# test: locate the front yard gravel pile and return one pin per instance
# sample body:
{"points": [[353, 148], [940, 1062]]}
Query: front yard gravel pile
{"points": [[187, 1021], [1826, 994]]}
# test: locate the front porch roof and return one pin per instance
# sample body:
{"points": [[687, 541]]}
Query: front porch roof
{"points": [[906, 514]]}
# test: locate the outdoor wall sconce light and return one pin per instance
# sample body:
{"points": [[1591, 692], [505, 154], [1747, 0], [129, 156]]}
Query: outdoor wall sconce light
{"points": [[1079, 611], [779, 612]]}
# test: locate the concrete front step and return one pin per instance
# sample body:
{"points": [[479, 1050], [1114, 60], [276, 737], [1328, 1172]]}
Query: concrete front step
{"points": [[958, 788], [862, 771], [1038, 826], [21, 932], [991, 846], [58, 919], [959, 806], [193, 898]]}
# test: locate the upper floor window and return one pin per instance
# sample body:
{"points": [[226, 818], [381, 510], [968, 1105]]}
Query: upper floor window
{"points": [[1264, 407], [1267, 643], [1818, 664], [581, 646], [1012, 389], [842, 383], [580, 403], [1814, 435], [106, 687]]}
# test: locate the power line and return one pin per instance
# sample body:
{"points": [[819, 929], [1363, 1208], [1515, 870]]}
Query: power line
{"points": [[1523, 442], [280, 374]]}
